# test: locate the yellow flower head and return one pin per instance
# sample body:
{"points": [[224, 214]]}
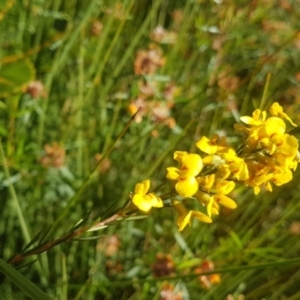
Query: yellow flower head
{"points": [[222, 157], [184, 215], [190, 166], [145, 201], [265, 133]]}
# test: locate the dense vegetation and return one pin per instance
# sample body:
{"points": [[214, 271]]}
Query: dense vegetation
{"points": [[72, 74]]}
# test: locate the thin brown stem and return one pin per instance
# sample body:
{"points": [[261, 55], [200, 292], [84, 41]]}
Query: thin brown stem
{"points": [[18, 258]]}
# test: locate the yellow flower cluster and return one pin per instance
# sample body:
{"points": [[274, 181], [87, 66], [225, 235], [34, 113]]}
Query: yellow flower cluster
{"points": [[268, 155]]}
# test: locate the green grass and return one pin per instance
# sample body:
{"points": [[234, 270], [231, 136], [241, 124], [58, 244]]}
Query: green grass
{"points": [[228, 59]]}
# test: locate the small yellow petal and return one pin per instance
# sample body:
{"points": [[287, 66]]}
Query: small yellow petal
{"points": [[203, 198], [155, 200], [225, 201], [288, 145], [173, 173], [256, 190], [209, 206], [139, 189], [184, 220], [178, 155], [248, 120], [268, 186], [184, 215], [187, 187], [201, 217], [205, 145], [225, 186], [192, 163], [282, 178], [275, 127]]}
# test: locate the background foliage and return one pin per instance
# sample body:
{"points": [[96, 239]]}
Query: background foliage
{"points": [[71, 73]]}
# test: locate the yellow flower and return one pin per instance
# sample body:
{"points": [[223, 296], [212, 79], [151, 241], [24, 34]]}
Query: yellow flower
{"points": [[258, 117], [266, 133], [235, 164], [218, 190], [259, 175], [223, 188], [288, 146], [281, 177], [223, 157], [190, 166], [184, 215], [277, 110], [143, 200], [206, 182], [211, 146]]}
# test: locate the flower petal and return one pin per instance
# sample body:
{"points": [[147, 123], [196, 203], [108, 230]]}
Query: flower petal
{"points": [[155, 200], [192, 163], [178, 155], [205, 145], [201, 217], [142, 188], [173, 173], [225, 201], [277, 110], [187, 187], [184, 220], [141, 203]]}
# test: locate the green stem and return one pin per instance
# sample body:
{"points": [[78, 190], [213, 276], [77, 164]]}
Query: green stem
{"points": [[16, 202]]}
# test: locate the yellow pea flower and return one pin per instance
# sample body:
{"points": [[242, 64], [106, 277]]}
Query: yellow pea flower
{"points": [[190, 166], [206, 182], [184, 215], [277, 110], [145, 201], [236, 165], [223, 157], [281, 177], [259, 175], [218, 189], [223, 188], [258, 117], [286, 162], [211, 146], [206, 199], [288, 145], [266, 133]]}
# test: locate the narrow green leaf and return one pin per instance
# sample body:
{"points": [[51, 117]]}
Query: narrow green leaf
{"points": [[34, 239], [22, 282], [44, 235], [91, 238], [136, 217]]}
